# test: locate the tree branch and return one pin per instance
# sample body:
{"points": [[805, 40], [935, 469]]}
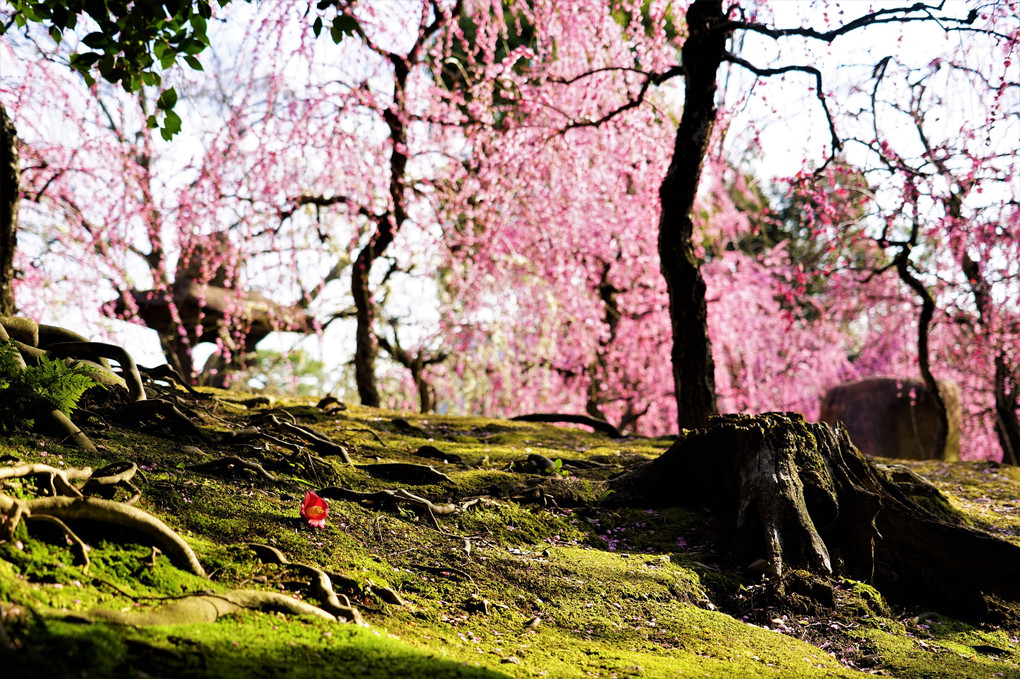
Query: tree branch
{"points": [[794, 68], [882, 16], [635, 101]]}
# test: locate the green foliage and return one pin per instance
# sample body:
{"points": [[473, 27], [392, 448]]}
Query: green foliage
{"points": [[133, 42], [297, 372], [50, 384], [622, 14], [460, 70]]}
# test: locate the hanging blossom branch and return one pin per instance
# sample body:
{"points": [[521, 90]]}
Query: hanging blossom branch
{"points": [[837, 144], [326, 201], [633, 101]]}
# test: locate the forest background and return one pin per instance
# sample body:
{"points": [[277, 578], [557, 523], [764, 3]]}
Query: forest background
{"points": [[464, 199]]}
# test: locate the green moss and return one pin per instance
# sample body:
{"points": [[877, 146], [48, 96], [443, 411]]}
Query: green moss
{"points": [[916, 654], [860, 600], [619, 592]]}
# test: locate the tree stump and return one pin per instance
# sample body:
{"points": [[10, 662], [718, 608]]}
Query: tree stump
{"points": [[803, 497]]}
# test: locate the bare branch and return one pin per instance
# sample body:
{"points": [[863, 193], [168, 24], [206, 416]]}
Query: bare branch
{"points": [[794, 68], [883, 16], [633, 102]]}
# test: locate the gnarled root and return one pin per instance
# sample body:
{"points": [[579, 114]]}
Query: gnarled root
{"points": [[105, 511], [398, 496], [320, 582], [208, 607], [805, 497]]}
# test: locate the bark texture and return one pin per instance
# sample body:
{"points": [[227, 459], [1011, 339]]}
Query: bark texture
{"points": [[10, 176], [693, 367], [803, 497]]}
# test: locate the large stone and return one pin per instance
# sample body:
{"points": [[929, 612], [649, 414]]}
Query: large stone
{"points": [[890, 417]]}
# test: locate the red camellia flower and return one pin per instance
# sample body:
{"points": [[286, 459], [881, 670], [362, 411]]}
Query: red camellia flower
{"points": [[314, 510]]}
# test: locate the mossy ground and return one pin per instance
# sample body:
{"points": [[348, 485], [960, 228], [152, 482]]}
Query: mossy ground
{"points": [[511, 587]]}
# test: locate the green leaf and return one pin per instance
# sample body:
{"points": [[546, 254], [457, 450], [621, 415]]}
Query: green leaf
{"points": [[50, 384], [171, 126], [150, 78], [28, 12], [317, 26], [82, 62], [56, 34], [167, 99], [96, 41], [193, 62], [343, 25], [191, 46], [198, 25], [151, 122]]}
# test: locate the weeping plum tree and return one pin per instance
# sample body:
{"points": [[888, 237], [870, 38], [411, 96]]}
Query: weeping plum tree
{"points": [[959, 195], [802, 495], [143, 219], [292, 172], [582, 108]]}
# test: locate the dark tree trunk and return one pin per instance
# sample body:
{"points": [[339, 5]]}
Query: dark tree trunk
{"points": [[1007, 423], [10, 176], [924, 320], [366, 344], [366, 348], [693, 367], [1006, 385], [803, 497]]}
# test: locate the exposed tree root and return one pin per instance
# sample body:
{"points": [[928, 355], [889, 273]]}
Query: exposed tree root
{"points": [[96, 351], [170, 376], [59, 426], [433, 453], [117, 475], [317, 442], [226, 465], [553, 418], [105, 511], [445, 571], [208, 607], [399, 496], [804, 497], [59, 479], [405, 473], [321, 585]]}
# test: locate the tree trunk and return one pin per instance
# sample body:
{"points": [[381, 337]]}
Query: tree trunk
{"points": [[803, 497], [924, 320], [1007, 424], [1006, 386], [366, 348], [366, 344], [10, 176], [693, 367]]}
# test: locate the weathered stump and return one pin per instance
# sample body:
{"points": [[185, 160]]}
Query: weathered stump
{"points": [[803, 497]]}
